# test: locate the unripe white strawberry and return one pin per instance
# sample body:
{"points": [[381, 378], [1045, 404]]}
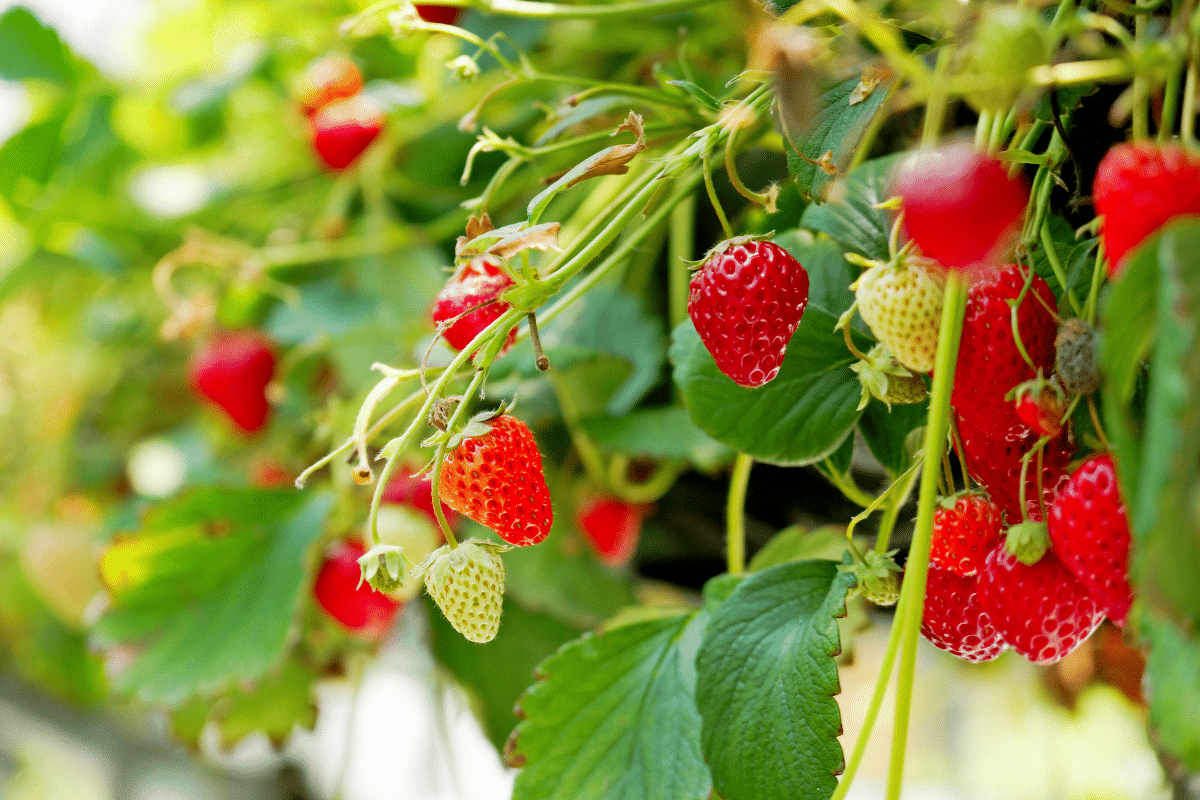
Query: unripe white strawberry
{"points": [[902, 304], [467, 583]]}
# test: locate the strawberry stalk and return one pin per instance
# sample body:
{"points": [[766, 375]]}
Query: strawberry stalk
{"points": [[735, 515], [680, 252], [440, 455], [912, 596], [899, 622]]}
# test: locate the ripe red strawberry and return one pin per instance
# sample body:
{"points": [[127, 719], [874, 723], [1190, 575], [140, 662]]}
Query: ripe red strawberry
{"points": [[1042, 611], [1138, 187], [955, 621], [960, 206], [407, 489], [443, 15], [233, 370], [612, 526], [476, 286], [902, 304], [989, 367], [1040, 404], [746, 302], [1090, 534], [342, 130], [325, 80], [494, 476], [358, 607], [965, 529]]}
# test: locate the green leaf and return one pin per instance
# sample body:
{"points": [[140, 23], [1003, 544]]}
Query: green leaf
{"points": [[1173, 671], [1077, 258], [497, 675], [665, 432], [839, 460], [800, 417], [1124, 340], [795, 543], [886, 432], [582, 112], [1130, 321], [614, 717], [230, 621], [765, 684], [836, 127], [606, 322], [31, 50], [852, 219], [31, 156], [1166, 549], [277, 704], [829, 273], [706, 99]]}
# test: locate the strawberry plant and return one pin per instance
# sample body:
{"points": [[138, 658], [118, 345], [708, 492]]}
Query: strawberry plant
{"points": [[576, 311]]}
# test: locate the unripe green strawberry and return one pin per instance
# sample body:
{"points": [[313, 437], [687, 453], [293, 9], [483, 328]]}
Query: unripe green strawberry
{"points": [[902, 304], [467, 583]]}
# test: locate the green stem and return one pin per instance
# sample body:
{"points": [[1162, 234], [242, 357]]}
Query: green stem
{"points": [[680, 250], [1097, 280], [735, 515], [881, 684], [935, 106], [686, 187], [712, 191], [888, 521], [912, 595], [1056, 265], [1187, 123], [1071, 73], [1141, 86], [846, 485], [1170, 105]]}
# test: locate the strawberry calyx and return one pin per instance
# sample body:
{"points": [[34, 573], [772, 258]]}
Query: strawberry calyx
{"points": [[1028, 541], [383, 567], [886, 379], [722, 246], [477, 425], [877, 575]]}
